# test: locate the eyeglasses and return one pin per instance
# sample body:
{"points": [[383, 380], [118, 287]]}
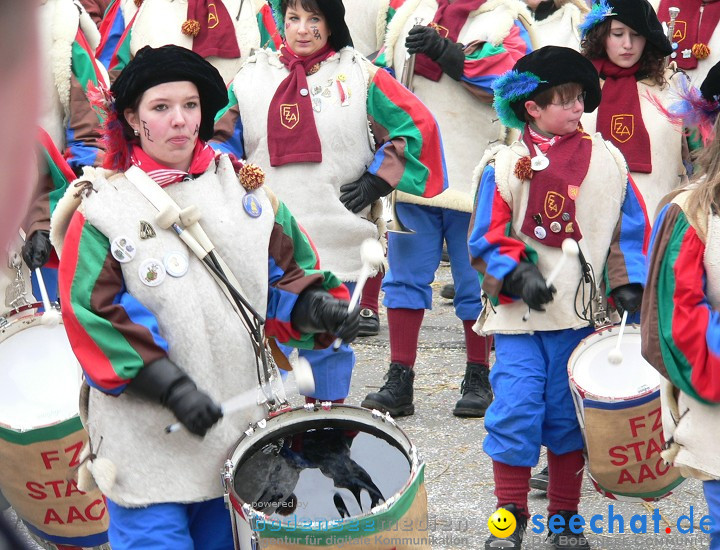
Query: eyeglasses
{"points": [[570, 103]]}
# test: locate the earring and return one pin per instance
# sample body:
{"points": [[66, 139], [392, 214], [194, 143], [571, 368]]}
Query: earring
{"points": [[136, 132]]}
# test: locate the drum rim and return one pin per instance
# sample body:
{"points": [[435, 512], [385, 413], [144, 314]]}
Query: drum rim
{"points": [[582, 346], [252, 515]]}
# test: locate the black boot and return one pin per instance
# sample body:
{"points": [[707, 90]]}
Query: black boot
{"points": [[566, 538], [514, 541], [476, 392], [396, 395], [540, 480]]}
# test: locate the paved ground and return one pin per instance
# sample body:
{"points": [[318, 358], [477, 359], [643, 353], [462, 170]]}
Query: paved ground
{"points": [[459, 475]]}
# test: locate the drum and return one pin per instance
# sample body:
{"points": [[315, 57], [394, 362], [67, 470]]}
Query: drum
{"points": [[333, 477], [41, 435], [618, 407]]}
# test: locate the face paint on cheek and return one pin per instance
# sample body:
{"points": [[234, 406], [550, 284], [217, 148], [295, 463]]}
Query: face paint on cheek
{"points": [[316, 33], [146, 130], [197, 130]]}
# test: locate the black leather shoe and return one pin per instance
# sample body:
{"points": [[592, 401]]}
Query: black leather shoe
{"points": [[369, 322], [566, 538], [396, 395], [476, 392], [514, 541], [540, 480]]}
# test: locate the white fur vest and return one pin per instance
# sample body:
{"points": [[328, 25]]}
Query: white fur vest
{"points": [[668, 170], [159, 22], [597, 210], [59, 23], [561, 27], [366, 21], [310, 189], [468, 125], [204, 334]]}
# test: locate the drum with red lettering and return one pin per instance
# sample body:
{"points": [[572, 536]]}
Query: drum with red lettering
{"points": [[618, 407], [41, 435]]}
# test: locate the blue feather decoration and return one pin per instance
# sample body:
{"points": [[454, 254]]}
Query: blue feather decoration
{"points": [[509, 88], [597, 15]]}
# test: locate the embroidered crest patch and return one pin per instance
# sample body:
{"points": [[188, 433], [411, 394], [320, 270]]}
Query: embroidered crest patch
{"points": [[622, 127], [289, 115]]}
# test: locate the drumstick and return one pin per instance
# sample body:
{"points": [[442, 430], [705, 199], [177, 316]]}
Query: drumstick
{"points": [[50, 317], [371, 254], [616, 356], [569, 248]]}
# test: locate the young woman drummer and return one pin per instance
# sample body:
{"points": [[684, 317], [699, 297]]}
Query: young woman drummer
{"points": [[157, 336]]}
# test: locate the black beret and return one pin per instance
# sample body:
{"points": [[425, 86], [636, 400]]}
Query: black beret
{"points": [[153, 66], [640, 16], [710, 87], [555, 65]]}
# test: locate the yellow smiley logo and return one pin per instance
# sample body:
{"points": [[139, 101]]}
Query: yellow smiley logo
{"points": [[501, 523]]}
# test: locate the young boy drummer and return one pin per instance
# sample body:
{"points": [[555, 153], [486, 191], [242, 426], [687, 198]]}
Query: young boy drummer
{"points": [[555, 183]]}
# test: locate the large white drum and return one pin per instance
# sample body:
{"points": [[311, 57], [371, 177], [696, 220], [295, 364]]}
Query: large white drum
{"points": [[333, 477], [619, 410], [41, 435]]}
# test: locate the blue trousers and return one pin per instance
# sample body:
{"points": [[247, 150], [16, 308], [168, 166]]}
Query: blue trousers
{"points": [[331, 369], [171, 526], [414, 259], [712, 497], [533, 405]]}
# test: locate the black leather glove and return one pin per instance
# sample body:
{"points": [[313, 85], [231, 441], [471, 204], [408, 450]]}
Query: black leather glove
{"points": [[36, 249], [627, 297], [166, 383], [363, 191], [446, 53], [317, 311], [527, 282]]}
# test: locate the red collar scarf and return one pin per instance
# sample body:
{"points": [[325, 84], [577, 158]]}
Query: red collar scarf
{"points": [[203, 155], [449, 20], [550, 212], [619, 119], [216, 36], [292, 134], [694, 26]]}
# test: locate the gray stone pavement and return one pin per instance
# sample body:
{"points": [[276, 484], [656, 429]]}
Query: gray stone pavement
{"points": [[458, 474]]}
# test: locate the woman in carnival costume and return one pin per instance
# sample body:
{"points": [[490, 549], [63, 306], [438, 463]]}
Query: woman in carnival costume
{"points": [[556, 183], [334, 135], [680, 325], [627, 44], [159, 336], [459, 49]]}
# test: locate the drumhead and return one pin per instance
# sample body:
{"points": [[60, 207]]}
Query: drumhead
{"points": [[39, 375], [596, 377], [321, 465]]}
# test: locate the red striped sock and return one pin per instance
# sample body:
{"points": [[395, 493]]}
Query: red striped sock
{"points": [[512, 485], [404, 325], [566, 474], [478, 347]]}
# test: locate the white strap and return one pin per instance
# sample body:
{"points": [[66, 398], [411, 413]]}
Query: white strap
{"points": [[193, 235]]}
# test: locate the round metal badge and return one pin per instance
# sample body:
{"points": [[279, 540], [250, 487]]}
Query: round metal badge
{"points": [[122, 249], [252, 205], [151, 272], [176, 264], [539, 163]]}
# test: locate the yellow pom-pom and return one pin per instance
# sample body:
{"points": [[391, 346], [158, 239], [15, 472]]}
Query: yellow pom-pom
{"points": [[700, 50], [251, 176], [523, 169], [191, 28]]}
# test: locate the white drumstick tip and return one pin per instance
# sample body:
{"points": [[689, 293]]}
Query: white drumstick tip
{"points": [[615, 356], [304, 377]]}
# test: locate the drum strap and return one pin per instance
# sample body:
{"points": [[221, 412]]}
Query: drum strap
{"points": [[197, 240]]}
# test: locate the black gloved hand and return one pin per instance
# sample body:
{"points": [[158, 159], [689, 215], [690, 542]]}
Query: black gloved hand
{"points": [[527, 282], [36, 249], [627, 297], [446, 53], [363, 191], [317, 311], [166, 383]]}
